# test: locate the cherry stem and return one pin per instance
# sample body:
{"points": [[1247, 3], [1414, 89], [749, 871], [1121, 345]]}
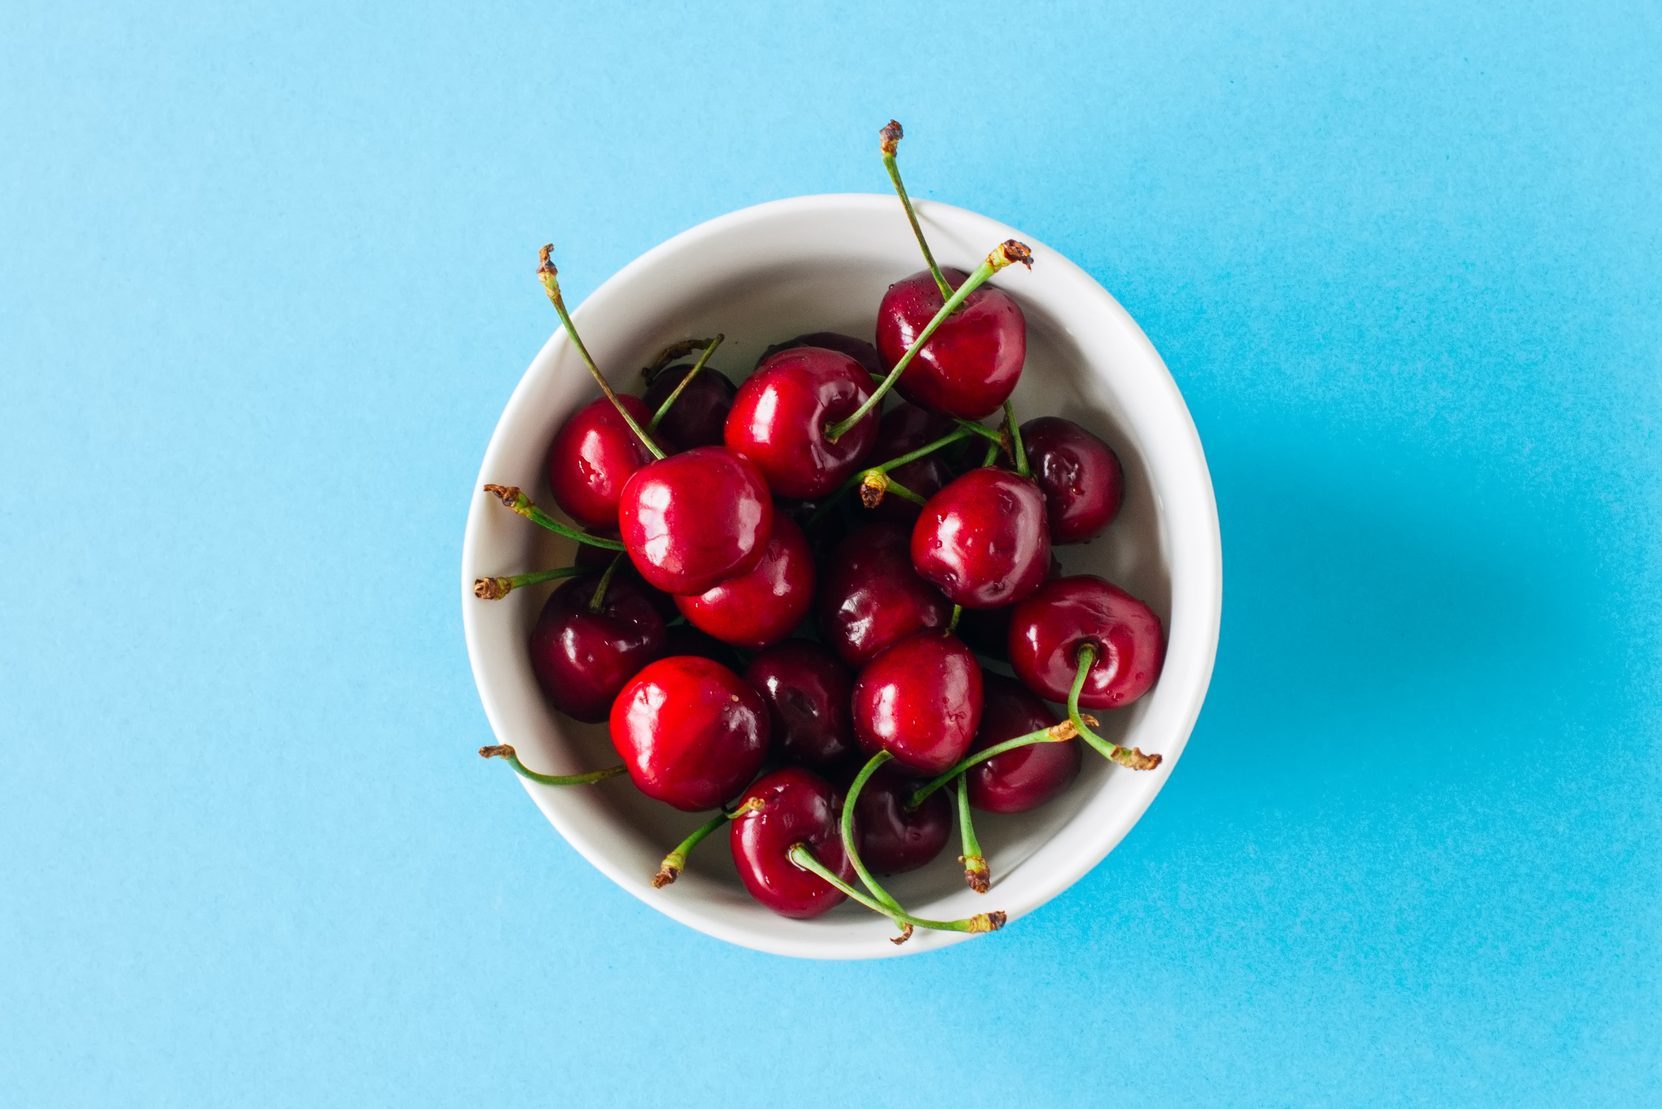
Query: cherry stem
{"points": [[599, 597], [671, 353], [802, 857], [888, 140], [1006, 253], [1056, 733], [505, 752], [514, 498], [494, 589], [952, 624], [1017, 450], [875, 485], [976, 873], [674, 862], [991, 456], [680, 386], [551, 283], [850, 846], [1132, 758]]}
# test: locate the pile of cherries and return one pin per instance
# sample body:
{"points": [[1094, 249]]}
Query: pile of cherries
{"points": [[827, 708]]}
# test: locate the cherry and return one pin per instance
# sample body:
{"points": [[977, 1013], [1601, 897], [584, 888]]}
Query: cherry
{"points": [[787, 808], [870, 595], [857, 349], [691, 732], [970, 366], [894, 838], [592, 455], [905, 428], [694, 519], [1049, 629], [1080, 475], [1027, 777], [699, 412], [920, 700], [765, 603], [983, 540], [807, 690], [583, 654], [781, 416]]}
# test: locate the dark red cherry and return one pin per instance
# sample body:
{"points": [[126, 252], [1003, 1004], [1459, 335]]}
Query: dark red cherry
{"points": [[695, 519], [1079, 474], [871, 597], [857, 349], [970, 366], [920, 700], [1047, 630], [780, 416], [1027, 777], [983, 540], [691, 732], [796, 806], [904, 428], [807, 691], [894, 839], [592, 456], [765, 603], [699, 413], [582, 658]]}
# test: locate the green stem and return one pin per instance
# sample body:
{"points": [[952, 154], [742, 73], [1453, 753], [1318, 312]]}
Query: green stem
{"points": [[979, 429], [680, 386], [551, 284], [952, 624], [802, 857], [1003, 255], [514, 498], [976, 873], [505, 752], [875, 485], [494, 589], [670, 869], [1016, 447], [889, 138], [599, 597], [1130, 757], [850, 845], [670, 354], [991, 456], [1056, 733]]}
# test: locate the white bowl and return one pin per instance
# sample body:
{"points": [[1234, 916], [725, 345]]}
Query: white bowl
{"points": [[822, 263]]}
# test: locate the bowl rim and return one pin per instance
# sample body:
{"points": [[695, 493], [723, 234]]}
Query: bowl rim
{"points": [[1208, 601]]}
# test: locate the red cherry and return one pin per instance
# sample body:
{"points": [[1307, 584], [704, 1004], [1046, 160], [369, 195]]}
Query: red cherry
{"points": [[796, 806], [695, 519], [582, 658], [870, 596], [592, 455], [698, 414], [1047, 630], [1027, 777], [970, 366], [857, 349], [780, 416], [1080, 475], [765, 603], [983, 540], [905, 428], [894, 839], [920, 700], [807, 691], [690, 731]]}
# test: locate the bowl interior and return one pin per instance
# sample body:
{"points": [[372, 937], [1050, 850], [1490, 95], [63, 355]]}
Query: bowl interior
{"points": [[823, 263]]}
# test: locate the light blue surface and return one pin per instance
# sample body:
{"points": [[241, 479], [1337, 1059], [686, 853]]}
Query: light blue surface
{"points": [[267, 284]]}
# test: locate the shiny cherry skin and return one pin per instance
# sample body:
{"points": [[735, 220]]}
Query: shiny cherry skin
{"points": [[906, 427], [593, 454], [690, 731], [870, 597], [781, 415], [1079, 474], [695, 519], [970, 366], [857, 349], [582, 658], [1047, 630], [764, 604], [983, 541], [1027, 777], [699, 413], [894, 839], [920, 700], [807, 690], [797, 806]]}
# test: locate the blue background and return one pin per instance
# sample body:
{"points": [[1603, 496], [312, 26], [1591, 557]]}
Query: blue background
{"points": [[267, 285]]}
